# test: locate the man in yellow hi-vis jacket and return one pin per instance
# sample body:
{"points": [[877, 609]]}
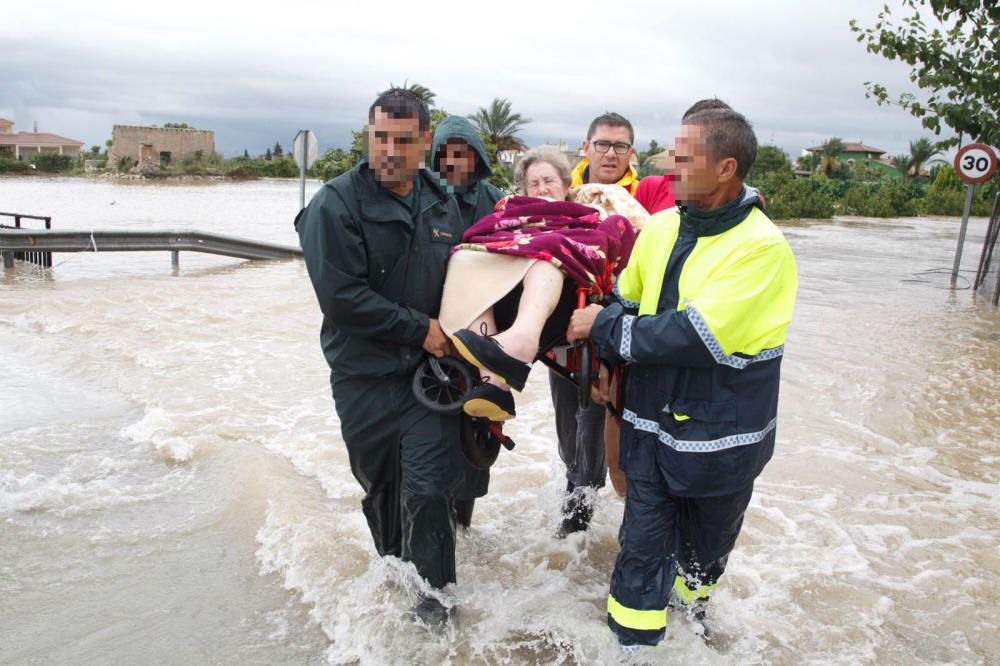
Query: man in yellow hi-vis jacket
{"points": [[700, 318]]}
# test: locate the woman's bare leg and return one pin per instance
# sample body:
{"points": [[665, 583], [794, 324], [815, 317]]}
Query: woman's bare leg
{"points": [[489, 320], [543, 284]]}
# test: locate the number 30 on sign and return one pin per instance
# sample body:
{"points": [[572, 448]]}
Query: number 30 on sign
{"points": [[975, 163]]}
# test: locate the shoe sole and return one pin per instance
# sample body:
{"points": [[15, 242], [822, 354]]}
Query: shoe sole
{"points": [[471, 358], [486, 409]]}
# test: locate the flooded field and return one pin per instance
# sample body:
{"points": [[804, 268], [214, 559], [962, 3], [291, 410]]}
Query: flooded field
{"points": [[174, 488]]}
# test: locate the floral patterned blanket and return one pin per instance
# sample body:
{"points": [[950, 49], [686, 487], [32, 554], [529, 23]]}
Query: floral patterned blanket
{"points": [[569, 235]]}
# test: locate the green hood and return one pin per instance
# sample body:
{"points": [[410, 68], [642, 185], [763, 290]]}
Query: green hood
{"points": [[457, 127]]}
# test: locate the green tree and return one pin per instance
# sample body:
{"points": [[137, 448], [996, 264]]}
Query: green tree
{"points": [[277, 151], [267, 155], [790, 197], [955, 63], [359, 145], [922, 151], [502, 177], [437, 115], [95, 150], [830, 149], [498, 125], [331, 164], [769, 159], [646, 166], [903, 163], [176, 125], [809, 162]]}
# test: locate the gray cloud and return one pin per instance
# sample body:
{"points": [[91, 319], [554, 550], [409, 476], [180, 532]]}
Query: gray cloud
{"points": [[257, 76]]}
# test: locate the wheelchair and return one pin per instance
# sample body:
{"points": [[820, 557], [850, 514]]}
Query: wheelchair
{"points": [[440, 384]]}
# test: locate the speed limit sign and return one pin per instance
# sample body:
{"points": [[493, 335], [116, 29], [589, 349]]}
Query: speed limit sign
{"points": [[975, 163]]}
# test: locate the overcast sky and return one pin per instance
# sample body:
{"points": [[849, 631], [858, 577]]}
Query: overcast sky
{"points": [[257, 74]]}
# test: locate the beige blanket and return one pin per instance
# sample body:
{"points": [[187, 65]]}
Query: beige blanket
{"points": [[477, 280]]}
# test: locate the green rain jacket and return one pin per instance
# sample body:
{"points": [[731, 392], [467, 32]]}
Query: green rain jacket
{"points": [[377, 268], [480, 197]]}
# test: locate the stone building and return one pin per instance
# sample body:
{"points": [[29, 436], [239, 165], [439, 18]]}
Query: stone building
{"points": [[157, 145]]}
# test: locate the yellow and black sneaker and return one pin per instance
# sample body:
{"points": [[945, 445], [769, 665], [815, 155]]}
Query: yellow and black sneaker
{"points": [[484, 352], [491, 402]]}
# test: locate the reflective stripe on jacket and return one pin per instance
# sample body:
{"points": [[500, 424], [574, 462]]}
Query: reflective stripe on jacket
{"points": [[702, 311]]}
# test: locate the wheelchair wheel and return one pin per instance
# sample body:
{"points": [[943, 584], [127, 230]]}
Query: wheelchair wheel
{"points": [[479, 447], [440, 384], [584, 376]]}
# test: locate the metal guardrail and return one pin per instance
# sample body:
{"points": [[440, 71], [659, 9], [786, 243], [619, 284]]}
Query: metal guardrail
{"points": [[43, 259], [19, 216], [21, 240]]}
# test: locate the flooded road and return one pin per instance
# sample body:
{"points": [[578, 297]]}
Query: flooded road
{"points": [[174, 489]]}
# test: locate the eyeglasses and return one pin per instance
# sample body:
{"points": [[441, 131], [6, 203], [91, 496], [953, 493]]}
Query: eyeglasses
{"points": [[604, 146]]}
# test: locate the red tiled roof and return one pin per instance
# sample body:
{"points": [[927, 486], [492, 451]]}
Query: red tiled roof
{"points": [[852, 148], [35, 139], [4, 121]]}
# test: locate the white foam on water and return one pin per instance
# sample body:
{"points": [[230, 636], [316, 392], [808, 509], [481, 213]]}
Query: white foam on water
{"points": [[178, 407]]}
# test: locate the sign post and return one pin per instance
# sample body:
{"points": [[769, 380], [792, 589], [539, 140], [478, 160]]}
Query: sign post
{"points": [[975, 163], [305, 149]]}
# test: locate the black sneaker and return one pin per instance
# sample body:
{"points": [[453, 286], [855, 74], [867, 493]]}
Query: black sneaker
{"points": [[489, 402], [484, 352]]}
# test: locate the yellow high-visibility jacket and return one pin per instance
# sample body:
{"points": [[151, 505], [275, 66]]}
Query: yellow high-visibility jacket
{"points": [[701, 314], [630, 181]]}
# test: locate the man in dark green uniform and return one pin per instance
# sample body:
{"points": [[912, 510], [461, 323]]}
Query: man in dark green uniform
{"points": [[461, 159], [376, 242], [459, 156]]}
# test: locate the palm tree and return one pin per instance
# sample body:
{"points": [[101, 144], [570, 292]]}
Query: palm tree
{"points": [[903, 164], [921, 152], [830, 149], [498, 125], [423, 92]]}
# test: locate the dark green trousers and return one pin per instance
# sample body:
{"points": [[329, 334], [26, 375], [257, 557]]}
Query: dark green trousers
{"points": [[475, 484], [408, 461]]}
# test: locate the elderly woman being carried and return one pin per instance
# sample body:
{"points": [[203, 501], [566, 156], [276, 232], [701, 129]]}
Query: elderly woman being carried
{"points": [[509, 275]]}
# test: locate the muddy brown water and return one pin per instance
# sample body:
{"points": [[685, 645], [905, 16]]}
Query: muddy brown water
{"points": [[174, 489]]}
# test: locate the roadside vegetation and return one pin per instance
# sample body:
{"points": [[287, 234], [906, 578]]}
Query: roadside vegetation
{"points": [[822, 185]]}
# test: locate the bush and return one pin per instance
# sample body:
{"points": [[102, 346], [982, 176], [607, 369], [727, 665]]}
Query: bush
{"points": [[946, 195], [888, 198], [788, 197], [200, 164], [279, 167], [52, 162], [770, 159], [8, 165], [331, 164], [502, 178], [944, 202], [835, 189]]}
